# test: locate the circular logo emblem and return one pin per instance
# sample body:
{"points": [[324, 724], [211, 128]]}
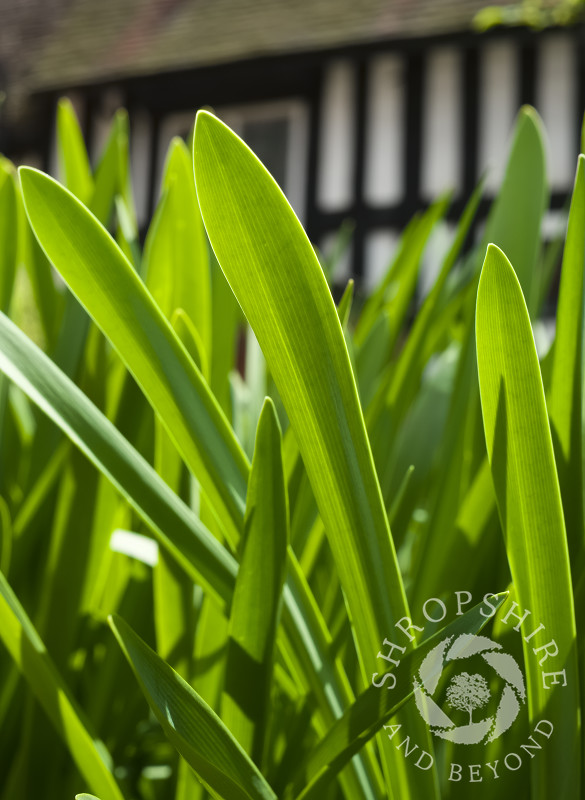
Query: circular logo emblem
{"points": [[468, 692]]}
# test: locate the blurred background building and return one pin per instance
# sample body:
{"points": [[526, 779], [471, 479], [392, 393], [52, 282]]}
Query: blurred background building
{"points": [[362, 109]]}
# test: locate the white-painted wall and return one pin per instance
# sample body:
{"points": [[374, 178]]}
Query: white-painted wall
{"points": [[380, 247], [341, 269], [384, 165], [498, 106], [337, 138], [556, 101], [442, 141]]}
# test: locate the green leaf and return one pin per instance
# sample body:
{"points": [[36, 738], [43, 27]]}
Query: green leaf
{"points": [[176, 260], [48, 301], [226, 318], [256, 603], [101, 277], [190, 262], [378, 298], [513, 224], [6, 536], [109, 173], [376, 706], [97, 270], [175, 525], [514, 220], [373, 355], [73, 159], [8, 233], [409, 367], [191, 725], [174, 602], [276, 277], [29, 653], [521, 457], [344, 307], [566, 398]]}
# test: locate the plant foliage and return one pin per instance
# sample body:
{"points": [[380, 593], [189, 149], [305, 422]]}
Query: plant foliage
{"points": [[231, 512]]}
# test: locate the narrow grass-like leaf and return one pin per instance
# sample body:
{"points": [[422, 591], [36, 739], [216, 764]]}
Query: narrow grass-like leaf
{"points": [[256, 603], [8, 229], [378, 298], [6, 534], [514, 224], [73, 158], [29, 653], [274, 273], [175, 526], [48, 301], [109, 173], [514, 221], [190, 724], [190, 261], [521, 456], [406, 375], [344, 307], [194, 547], [102, 278], [176, 253], [8, 259], [566, 389]]}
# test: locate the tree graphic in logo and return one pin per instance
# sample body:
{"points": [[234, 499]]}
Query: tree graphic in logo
{"points": [[467, 692]]}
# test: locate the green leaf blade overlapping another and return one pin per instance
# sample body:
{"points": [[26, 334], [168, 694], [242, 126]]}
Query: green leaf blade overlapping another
{"points": [[277, 279], [514, 221], [8, 228], [527, 490], [566, 389], [28, 651], [190, 724], [178, 529], [104, 281], [73, 158], [257, 595]]}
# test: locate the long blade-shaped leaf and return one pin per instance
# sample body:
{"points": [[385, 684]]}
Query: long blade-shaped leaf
{"points": [[277, 279], [8, 229], [190, 724], [255, 605], [29, 653], [194, 547], [527, 490], [109, 172], [566, 391], [178, 530], [73, 158], [514, 225], [178, 270], [521, 201], [102, 278]]}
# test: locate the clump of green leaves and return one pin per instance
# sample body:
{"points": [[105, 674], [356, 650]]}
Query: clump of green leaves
{"points": [[212, 475], [532, 13]]}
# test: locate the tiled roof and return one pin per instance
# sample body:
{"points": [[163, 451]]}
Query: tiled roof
{"points": [[72, 42]]}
